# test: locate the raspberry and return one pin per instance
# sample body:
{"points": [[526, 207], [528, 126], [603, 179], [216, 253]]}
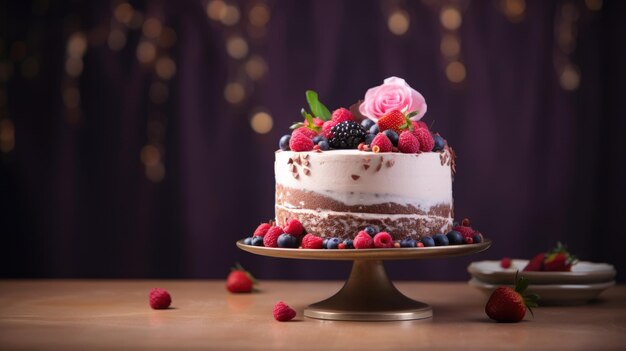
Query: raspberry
{"points": [[293, 227], [342, 115], [311, 241], [466, 232], [382, 142], [300, 142], [505, 262], [326, 129], [419, 125], [395, 120], [341, 246], [469, 240], [347, 135], [282, 312], [466, 222], [160, 299], [363, 241], [309, 133], [408, 143], [262, 229], [271, 237], [419, 244], [383, 240], [426, 140]]}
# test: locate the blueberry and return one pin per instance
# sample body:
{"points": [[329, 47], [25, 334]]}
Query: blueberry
{"points": [[392, 135], [283, 144], [428, 241], [257, 241], [318, 138], [408, 242], [439, 142], [324, 145], [374, 129], [324, 242], [369, 138], [287, 241], [371, 230], [477, 238], [333, 243], [454, 237], [367, 123], [248, 241], [441, 240], [349, 243]]}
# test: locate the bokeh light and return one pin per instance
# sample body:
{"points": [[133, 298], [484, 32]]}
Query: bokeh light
{"points": [[165, 68], [398, 22], [123, 13], [256, 67], [155, 173], [216, 9], [234, 92], [146, 52], [259, 15], [230, 15], [77, 45], [450, 46], [167, 38], [450, 18], [570, 77], [150, 155], [116, 40], [73, 66], [261, 122], [236, 47], [514, 9], [152, 28], [594, 5], [455, 72]]}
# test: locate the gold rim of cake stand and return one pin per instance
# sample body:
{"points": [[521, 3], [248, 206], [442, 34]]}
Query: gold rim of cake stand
{"points": [[368, 294]]}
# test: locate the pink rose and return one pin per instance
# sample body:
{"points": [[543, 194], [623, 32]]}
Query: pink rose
{"points": [[394, 94]]}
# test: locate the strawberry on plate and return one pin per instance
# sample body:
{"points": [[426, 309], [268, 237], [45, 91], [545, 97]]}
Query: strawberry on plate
{"points": [[509, 305], [555, 260], [239, 280]]}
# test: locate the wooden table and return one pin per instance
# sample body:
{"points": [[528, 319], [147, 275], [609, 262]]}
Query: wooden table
{"points": [[89, 315]]}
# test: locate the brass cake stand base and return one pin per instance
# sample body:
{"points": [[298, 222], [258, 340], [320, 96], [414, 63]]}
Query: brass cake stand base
{"points": [[368, 294]]}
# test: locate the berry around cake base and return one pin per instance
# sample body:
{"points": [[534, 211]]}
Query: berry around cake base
{"points": [[338, 193]]}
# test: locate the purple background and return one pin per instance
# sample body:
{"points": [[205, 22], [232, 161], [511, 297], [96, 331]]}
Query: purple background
{"points": [[536, 163]]}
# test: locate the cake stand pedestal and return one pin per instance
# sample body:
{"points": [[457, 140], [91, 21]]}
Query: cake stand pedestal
{"points": [[368, 294]]}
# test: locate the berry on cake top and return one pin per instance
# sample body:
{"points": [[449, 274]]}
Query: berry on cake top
{"points": [[387, 120]]}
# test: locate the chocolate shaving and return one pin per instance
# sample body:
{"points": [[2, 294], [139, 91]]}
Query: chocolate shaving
{"points": [[355, 177], [305, 163], [290, 161], [307, 171], [366, 167], [367, 160], [380, 164], [297, 159], [295, 175], [305, 156], [292, 168], [390, 163]]}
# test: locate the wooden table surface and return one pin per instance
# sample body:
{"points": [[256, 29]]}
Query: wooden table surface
{"points": [[90, 315]]}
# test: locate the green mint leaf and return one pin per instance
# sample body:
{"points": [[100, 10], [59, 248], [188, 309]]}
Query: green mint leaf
{"points": [[317, 108]]}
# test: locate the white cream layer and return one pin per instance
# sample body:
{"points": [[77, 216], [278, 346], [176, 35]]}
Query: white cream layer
{"points": [[407, 179]]}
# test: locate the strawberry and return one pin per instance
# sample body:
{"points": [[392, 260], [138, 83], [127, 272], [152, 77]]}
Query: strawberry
{"points": [[559, 259], [535, 264], [408, 143], [317, 122], [381, 143], [239, 280], [395, 120], [509, 305]]}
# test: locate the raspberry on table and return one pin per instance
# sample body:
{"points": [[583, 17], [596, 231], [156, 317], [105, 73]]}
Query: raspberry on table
{"points": [[160, 299]]}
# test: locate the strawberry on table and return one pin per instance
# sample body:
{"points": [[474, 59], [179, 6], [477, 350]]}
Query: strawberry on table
{"points": [[239, 280], [509, 305]]}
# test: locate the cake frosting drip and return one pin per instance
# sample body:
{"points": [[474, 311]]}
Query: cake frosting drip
{"points": [[340, 192]]}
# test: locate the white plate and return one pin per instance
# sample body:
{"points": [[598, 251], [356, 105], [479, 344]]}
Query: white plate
{"points": [[582, 273], [564, 294]]}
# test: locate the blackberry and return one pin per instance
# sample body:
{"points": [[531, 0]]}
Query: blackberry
{"points": [[347, 135]]}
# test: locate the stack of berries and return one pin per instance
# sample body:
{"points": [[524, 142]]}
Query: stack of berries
{"points": [[293, 235]]}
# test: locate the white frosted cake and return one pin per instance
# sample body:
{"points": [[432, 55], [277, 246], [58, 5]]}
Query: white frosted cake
{"points": [[339, 192]]}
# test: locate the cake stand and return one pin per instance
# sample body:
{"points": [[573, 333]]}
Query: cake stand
{"points": [[368, 294]]}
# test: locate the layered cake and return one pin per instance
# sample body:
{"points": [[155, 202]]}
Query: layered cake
{"points": [[375, 164], [338, 193]]}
